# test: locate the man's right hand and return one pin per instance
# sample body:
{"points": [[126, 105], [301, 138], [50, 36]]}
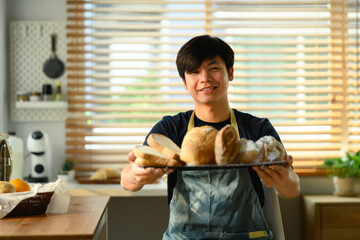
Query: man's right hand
{"points": [[134, 177]]}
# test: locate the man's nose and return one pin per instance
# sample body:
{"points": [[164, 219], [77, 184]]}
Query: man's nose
{"points": [[205, 76]]}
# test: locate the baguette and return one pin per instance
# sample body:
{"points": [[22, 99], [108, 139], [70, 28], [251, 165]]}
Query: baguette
{"points": [[153, 157], [164, 145]]}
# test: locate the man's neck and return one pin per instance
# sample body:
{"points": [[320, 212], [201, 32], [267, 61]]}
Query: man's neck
{"points": [[212, 113]]}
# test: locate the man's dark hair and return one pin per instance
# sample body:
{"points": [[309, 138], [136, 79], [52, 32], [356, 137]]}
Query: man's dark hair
{"points": [[200, 48]]}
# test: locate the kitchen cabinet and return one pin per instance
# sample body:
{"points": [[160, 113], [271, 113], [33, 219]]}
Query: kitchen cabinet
{"points": [[330, 217], [86, 219], [131, 215]]}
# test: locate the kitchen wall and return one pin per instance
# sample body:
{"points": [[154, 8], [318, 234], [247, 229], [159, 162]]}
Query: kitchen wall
{"points": [[3, 97], [55, 10], [36, 10]]}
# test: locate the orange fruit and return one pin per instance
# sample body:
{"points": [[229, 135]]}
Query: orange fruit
{"points": [[20, 185]]}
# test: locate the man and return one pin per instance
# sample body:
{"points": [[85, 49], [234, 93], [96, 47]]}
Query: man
{"points": [[214, 204]]}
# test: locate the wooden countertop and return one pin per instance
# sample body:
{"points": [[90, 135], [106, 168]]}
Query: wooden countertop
{"points": [[331, 199], [116, 190], [80, 222]]}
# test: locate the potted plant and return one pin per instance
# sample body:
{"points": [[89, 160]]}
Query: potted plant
{"points": [[345, 170], [67, 173]]}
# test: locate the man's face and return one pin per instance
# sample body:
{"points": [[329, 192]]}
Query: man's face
{"points": [[209, 83]]}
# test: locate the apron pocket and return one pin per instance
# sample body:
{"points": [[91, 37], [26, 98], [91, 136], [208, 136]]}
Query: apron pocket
{"points": [[257, 235]]}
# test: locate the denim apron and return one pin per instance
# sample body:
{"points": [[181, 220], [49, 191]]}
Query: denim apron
{"points": [[216, 204]]}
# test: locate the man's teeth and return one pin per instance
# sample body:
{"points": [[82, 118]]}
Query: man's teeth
{"points": [[208, 88]]}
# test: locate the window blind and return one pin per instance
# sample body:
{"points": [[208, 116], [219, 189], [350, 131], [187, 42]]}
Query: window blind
{"points": [[296, 63]]}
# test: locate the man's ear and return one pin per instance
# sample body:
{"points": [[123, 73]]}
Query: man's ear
{"points": [[231, 73], [184, 82]]}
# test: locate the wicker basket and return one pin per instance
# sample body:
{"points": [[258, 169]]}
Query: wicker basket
{"points": [[32, 206]]}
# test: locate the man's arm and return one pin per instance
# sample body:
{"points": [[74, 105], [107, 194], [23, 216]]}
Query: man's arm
{"points": [[283, 178]]}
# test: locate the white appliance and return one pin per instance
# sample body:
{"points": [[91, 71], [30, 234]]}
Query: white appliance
{"points": [[39, 145]]}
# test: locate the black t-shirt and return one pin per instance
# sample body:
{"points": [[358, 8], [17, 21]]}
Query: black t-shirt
{"points": [[250, 127]]}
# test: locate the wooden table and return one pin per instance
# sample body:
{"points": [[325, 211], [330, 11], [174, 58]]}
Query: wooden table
{"points": [[85, 219], [329, 217]]}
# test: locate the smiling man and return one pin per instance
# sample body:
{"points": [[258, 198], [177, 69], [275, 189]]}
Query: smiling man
{"points": [[214, 204]]}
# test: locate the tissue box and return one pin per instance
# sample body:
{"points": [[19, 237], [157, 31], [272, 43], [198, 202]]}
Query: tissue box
{"points": [[32, 206]]}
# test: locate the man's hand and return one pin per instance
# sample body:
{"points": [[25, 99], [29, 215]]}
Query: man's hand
{"points": [[282, 177], [134, 177]]}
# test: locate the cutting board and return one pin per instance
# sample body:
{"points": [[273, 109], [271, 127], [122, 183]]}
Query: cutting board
{"points": [[86, 180]]}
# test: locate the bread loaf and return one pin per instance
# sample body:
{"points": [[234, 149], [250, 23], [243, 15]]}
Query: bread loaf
{"points": [[105, 173], [6, 187], [249, 152], [198, 144], [227, 145], [273, 149], [164, 145], [153, 157]]}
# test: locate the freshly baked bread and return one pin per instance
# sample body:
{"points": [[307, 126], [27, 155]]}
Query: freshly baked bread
{"points": [[6, 187], [249, 152], [164, 145], [273, 149], [197, 147], [153, 157], [227, 145], [105, 173]]}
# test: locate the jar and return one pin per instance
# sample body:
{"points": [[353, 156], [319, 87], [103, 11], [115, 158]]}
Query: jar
{"points": [[47, 92], [22, 96], [34, 96]]}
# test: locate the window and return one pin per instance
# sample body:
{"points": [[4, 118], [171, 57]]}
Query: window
{"points": [[296, 63]]}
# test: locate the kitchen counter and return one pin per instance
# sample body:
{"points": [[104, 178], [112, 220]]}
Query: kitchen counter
{"points": [[116, 190], [147, 208], [85, 219]]}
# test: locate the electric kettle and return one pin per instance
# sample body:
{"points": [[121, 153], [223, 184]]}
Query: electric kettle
{"points": [[5, 158]]}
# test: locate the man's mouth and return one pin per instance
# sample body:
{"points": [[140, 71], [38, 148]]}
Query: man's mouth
{"points": [[208, 89]]}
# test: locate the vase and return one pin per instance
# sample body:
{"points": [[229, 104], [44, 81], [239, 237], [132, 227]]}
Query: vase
{"points": [[344, 186]]}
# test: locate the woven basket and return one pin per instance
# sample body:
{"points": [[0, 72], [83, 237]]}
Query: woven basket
{"points": [[32, 206]]}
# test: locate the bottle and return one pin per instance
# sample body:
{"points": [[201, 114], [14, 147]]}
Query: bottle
{"points": [[58, 96], [17, 156], [5, 160]]}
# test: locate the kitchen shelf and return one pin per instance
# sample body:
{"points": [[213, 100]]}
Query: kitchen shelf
{"points": [[41, 104]]}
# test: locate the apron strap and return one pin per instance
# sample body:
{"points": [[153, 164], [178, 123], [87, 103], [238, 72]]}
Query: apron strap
{"points": [[233, 121]]}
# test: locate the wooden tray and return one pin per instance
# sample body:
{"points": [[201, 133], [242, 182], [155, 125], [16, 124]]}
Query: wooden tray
{"points": [[86, 180]]}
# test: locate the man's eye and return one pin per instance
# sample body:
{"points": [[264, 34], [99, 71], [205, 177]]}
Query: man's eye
{"points": [[214, 68]]}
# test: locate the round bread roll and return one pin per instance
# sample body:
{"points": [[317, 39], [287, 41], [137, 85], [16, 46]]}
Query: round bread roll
{"points": [[6, 187], [227, 144], [273, 149], [197, 147], [249, 152]]}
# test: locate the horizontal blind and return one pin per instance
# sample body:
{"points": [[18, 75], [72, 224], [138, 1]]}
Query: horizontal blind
{"points": [[296, 63], [353, 64]]}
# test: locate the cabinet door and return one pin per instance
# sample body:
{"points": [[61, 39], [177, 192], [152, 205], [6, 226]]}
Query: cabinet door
{"points": [[340, 222]]}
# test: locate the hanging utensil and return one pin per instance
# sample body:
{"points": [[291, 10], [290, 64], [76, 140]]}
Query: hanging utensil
{"points": [[53, 67]]}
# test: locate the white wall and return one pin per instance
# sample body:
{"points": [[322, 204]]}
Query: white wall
{"points": [[3, 97]]}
